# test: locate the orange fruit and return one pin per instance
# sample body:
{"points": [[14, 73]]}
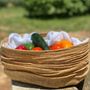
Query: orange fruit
{"points": [[65, 44], [61, 44]]}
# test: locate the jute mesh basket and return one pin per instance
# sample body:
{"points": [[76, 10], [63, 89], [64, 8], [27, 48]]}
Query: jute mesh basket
{"points": [[50, 68]]}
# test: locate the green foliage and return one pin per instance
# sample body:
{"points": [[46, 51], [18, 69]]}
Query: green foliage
{"points": [[61, 7], [17, 2], [87, 3], [4, 3], [13, 20]]}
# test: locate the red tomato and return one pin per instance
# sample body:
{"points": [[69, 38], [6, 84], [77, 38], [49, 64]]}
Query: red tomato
{"points": [[55, 47], [21, 47], [37, 49]]}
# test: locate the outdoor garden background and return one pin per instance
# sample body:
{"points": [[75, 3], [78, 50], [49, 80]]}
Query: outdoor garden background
{"points": [[25, 16]]}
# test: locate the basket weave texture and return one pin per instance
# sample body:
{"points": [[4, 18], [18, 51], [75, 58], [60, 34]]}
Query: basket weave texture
{"points": [[47, 68]]}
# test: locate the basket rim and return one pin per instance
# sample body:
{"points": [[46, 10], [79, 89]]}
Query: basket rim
{"points": [[62, 49]]}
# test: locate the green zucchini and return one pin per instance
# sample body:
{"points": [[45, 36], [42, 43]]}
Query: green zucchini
{"points": [[38, 40]]}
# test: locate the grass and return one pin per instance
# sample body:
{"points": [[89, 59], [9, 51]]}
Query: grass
{"points": [[14, 20]]}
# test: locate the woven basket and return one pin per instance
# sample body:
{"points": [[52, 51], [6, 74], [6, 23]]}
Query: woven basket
{"points": [[49, 68]]}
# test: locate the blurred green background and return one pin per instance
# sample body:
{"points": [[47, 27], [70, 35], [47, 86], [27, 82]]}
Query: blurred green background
{"points": [[25, 16]]}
